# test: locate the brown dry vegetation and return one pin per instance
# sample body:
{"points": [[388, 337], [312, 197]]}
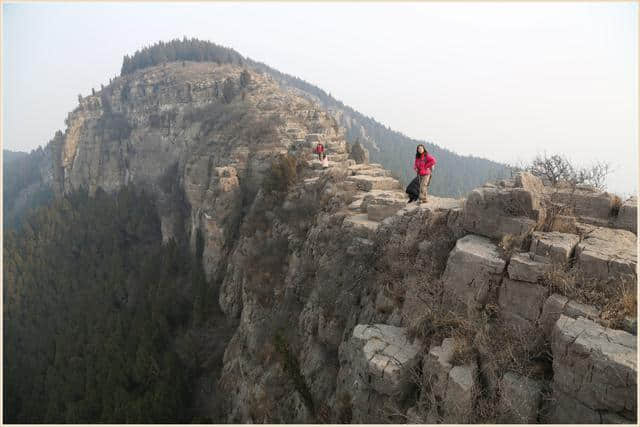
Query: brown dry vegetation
{"points": [[485, 339], [615, 297]]}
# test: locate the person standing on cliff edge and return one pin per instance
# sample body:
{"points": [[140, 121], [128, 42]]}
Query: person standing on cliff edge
{"points": [[319, 150], [422, 165]]}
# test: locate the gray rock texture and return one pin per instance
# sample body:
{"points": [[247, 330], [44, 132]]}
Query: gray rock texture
{"points": [[607, 253], [515, 208], [595, 365], [473, 268], [520, 399], [528, 267], [556, 247]]}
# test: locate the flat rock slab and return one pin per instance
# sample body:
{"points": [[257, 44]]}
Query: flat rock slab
{"points": [[528, 267], [368, 183], [557, 247], [337, 157], [360, 225], [381, 204], [473, 266], [606, 253], [388, 356], [441, 203], [595, 365], [383, 197], [368, 169], [520, 399]]}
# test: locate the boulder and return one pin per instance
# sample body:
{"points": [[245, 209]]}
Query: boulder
{"points": [[528, 267], [555, 246], [529, 182], [454, 386], [511, 208], [628, 215], [520, 399], [595, 365], [521, 300], [386, 356], [607, 253], [588, 205], [474, 267]]}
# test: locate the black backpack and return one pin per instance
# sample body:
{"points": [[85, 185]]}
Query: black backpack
{"points": [[413, 189]]}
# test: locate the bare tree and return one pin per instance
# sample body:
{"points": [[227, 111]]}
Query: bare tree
{"points": [[557, 169]]}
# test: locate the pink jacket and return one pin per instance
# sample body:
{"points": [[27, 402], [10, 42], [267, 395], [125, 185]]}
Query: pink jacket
{"points": [[423, 164]]}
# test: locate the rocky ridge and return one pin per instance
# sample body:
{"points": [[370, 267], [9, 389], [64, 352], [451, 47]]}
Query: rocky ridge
{"points": [[363, 318]]}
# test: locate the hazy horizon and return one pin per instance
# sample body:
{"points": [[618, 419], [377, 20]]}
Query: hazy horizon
{"points": [[501, 81]]}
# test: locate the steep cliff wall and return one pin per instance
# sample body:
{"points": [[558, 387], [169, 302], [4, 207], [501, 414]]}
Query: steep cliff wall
{"points": [[197, 135]]}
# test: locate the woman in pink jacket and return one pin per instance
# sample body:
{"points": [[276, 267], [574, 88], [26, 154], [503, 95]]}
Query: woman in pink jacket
{"points": [[423, 164]]}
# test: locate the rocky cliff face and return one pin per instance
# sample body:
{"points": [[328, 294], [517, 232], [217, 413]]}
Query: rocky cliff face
{"points": [[515, 304], [451, 311], [193, 134]]}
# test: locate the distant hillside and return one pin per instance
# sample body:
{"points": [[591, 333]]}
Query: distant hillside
{"points": [[455, 175], [22, 183]]}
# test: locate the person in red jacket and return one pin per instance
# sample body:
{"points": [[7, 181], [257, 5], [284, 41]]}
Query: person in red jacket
{"points": [[319, 150], [422, 165]]}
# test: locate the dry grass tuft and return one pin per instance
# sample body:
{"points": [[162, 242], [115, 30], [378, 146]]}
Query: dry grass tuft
{"points": [[616, 297], [511, 243]]}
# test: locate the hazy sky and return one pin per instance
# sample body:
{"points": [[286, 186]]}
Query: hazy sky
{"points": [[503, 81]]}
